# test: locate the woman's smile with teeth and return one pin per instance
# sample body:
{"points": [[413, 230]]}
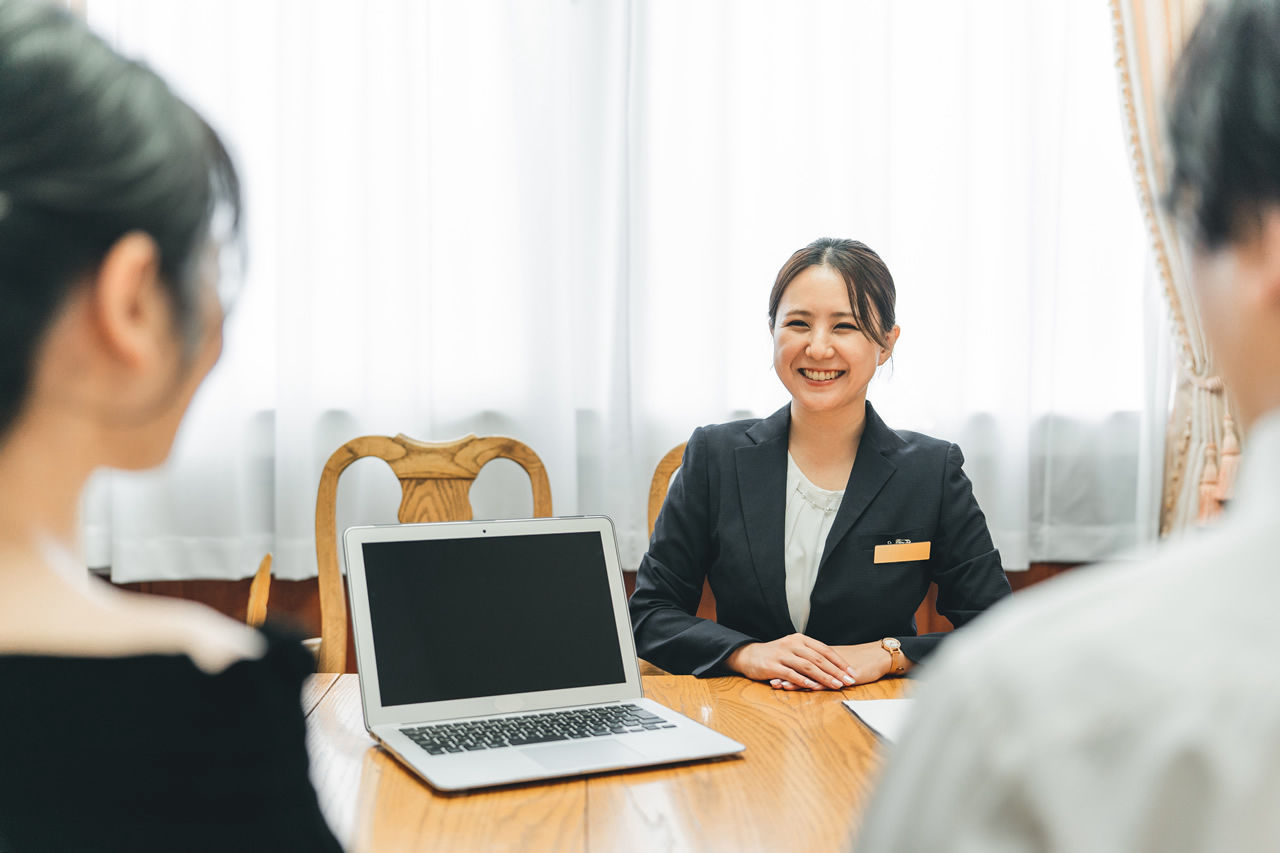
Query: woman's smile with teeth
{"points": [[819, 375]]}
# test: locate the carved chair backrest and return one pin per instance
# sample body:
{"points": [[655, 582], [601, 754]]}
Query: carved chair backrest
{"points": [[435, 479]]}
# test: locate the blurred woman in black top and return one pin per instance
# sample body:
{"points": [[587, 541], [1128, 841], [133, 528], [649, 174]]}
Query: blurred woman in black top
{"points": [[128, 722]]}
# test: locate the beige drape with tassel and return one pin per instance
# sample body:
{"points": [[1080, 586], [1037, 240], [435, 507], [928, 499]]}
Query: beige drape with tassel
{"points": [[1203, 442]]}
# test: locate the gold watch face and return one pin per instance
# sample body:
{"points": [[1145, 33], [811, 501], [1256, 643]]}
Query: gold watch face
{"points": [[891, 644]]}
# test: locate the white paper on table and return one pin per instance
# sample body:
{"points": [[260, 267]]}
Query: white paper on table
{"points": [[885, 717]]}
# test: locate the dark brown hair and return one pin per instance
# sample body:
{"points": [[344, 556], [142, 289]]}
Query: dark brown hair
{"points": [[872, 295], [1224, 129], [92, 146]]}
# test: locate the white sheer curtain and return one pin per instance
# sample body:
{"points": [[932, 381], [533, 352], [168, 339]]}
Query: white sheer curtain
{"points": [[560, 221]]}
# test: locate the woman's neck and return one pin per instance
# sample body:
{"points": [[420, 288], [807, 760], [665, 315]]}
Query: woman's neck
{"points": [[839, 428], [825, 444], [41, 478]]}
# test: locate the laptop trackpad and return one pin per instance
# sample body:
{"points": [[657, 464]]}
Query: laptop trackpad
{"points": [[571, 755]]}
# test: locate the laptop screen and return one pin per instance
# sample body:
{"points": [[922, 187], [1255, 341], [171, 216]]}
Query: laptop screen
{"points": [[488, 616]]}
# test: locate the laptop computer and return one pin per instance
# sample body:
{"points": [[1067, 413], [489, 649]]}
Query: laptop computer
{"points": [[493, 652]]}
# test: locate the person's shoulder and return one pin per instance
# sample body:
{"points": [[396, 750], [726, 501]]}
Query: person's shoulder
{"points": [[917, 451], [905, 441], [242, 726], [1055, 622], [1124, 692], [94, 620], [211, 640], [918, 442], [735, 433], [189, 643], [1118, 641]]}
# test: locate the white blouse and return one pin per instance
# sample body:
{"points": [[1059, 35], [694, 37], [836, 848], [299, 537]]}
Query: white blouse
{"points": [[810, 511]]}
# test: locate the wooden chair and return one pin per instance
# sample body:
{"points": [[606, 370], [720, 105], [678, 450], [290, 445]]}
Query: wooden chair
{"points": [[662, 481], [657, 494], [259, 590], [435, 478]]}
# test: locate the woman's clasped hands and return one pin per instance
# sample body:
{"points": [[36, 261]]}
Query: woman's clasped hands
{"points": [[798, 662]]}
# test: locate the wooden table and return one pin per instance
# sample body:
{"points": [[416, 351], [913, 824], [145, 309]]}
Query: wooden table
{"points": [[801, 784]]}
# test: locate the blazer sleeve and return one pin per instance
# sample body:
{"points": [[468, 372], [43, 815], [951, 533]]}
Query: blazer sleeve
{"points": [[965, 564], [671, 576]]}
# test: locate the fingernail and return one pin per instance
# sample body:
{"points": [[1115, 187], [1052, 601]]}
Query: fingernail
{"points": [[848, 679], [809, 683], [835, 682], [849, 670]]}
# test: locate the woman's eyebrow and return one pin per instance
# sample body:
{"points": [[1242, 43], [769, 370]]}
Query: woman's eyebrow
{"points": [[800, 312]]}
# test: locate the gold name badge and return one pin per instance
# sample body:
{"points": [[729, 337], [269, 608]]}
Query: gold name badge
{"points": [[902, 552]]}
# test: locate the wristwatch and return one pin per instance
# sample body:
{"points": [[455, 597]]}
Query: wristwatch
{"points": [[898, 661]]}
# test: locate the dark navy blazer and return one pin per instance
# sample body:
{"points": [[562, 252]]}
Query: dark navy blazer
{"points": [[723, 520]]}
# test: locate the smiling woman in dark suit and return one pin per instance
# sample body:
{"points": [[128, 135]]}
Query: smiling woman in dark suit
{"points": [[819, 528]]}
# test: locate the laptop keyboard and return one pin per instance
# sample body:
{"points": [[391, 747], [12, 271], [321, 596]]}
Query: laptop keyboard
{"points": [[543, 727]]}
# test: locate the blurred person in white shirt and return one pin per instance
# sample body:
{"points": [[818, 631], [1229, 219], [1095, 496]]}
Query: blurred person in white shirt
{"points": [[1137, 708]]}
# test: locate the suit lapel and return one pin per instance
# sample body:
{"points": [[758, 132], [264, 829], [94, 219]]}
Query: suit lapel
{"points": [[871, 470], [762, 491]]}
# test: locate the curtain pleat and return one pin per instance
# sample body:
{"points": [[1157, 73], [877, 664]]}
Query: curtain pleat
{"points": [[1203, 440]]}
